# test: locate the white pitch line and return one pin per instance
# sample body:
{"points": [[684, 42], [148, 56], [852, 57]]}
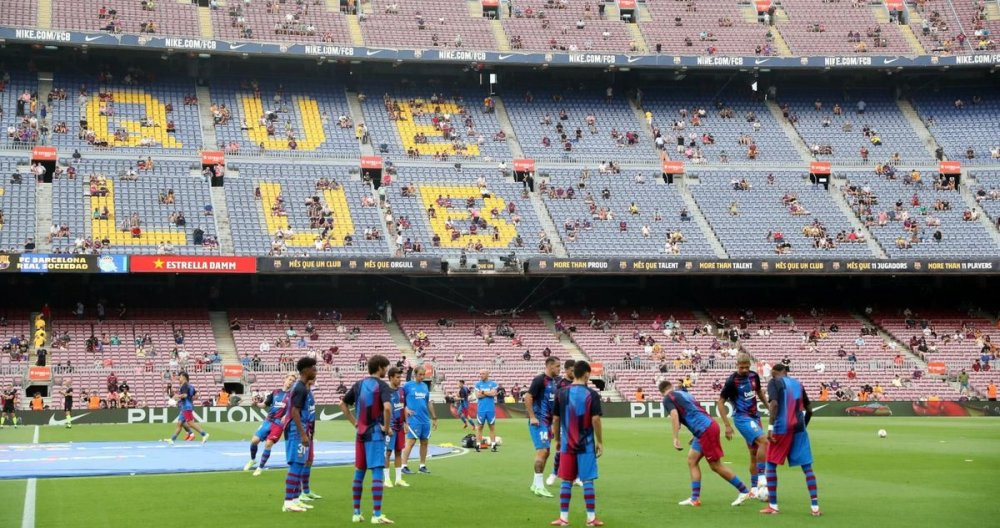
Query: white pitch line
{"points": [[28, 518]]}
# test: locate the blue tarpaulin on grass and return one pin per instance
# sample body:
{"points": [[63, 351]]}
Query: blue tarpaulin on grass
{"points": [[84, 459]]}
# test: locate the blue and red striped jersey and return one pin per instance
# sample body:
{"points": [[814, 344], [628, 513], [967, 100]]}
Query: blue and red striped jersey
{"points": [[543, 397], [792, 401], [368, 396], [691, 414], [576, 406], [276, 405], [741, 392], [398, 401]]}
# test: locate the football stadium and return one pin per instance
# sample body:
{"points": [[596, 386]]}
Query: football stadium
{"points": [[512, 263]]}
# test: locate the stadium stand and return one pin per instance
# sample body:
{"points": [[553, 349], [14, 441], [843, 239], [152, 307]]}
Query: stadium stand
{"points": [[262, 226], [846, 122], [948, 115], [821, 27], [566, 25], [131, 113], [480, 215], [291, 22], [300, 118], [706, 27], [655, 227], [22, 13], [112, 206], [165, 17], [341, 340], [937, 26], [596, 127], [912, 216], [724, 127], [747, 220], [987, 193], [432, 120], [426, 24], [17, 207], [19, 108], [978, 25]]}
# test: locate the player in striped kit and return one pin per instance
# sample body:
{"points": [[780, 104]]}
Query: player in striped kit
{"points": [[576, 420], [372, 401], [298, 442], [271, 428], [787, 437], [563, 382]]}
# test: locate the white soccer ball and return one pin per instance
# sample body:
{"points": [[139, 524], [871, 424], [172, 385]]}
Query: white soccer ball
{"points": [[882, 433]]}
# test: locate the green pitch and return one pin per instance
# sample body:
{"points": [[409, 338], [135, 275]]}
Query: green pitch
{"points": [[928, 472]]}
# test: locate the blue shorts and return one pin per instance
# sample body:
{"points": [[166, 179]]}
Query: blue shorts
{"points": [[295, 452], [801, 452], [418, 431], [264, 430], [581, 466], [462, 407], [486, 417], [540, 436], [750, 428], [395, 441], [370, 454]]}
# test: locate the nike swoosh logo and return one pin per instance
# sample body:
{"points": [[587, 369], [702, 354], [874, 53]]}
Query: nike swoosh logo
{"points": [[760, 61], [505, 57], [633, 59], [817, 409], [373, 52], [91, 39], [236, 46], [890, 61], [53, 421], [323, 417]]}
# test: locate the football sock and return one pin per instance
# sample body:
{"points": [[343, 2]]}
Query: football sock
{"points": [[761, 480], [264, 456], [305, 479], [399, 474], [376, 493], [565, 494], [555, 464], [589, 498], [772, 484], [253, 451], [359, 479], [695, 490], [811, 484], [538, 481], [738, 484], [293, 482]]}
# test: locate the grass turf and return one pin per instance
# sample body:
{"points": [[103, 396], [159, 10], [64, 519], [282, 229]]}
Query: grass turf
{"points": [[928, 471]]}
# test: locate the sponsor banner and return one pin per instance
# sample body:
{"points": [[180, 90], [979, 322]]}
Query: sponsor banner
{"points": [[44, 154], [234, 370], [213, 157], [355, 53], [39, 374], [653, 409], [626, 4], [191, 264], [762, 5], [950, 167], [371, 162], [544, 265], [524, 165], [62, 263], [820, 167], [348, 265], [894, 5], [673, 167]]}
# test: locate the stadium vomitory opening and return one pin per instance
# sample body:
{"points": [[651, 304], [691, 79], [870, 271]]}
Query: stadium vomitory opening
{"points": [[522, 262]]}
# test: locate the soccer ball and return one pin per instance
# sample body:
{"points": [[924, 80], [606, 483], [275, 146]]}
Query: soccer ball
{"points": [[882, 433]]}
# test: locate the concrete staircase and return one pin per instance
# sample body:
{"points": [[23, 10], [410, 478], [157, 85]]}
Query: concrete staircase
{"points": [[699, 218], [571, 348], [637, 37], [44, 87], [354, 26], [912, 40], [611, 11], [475, 8], [779, 41], [358, 117], [499, 35], [880, 13], [836, 193], [224, 342], [644, 15], [790, 131], [888, 338], [508, 128], [992, 10], [749, 14], [558, 249], [968, 182], [45, 14], [205, 116], [43, 217], [205, 28], [918, 125], [220, 210], [366, 6]]}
